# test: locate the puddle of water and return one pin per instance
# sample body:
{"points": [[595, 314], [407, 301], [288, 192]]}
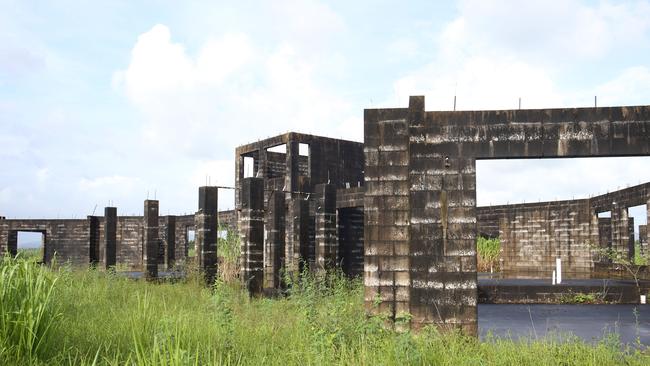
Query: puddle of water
{"points": [[588, 322]]}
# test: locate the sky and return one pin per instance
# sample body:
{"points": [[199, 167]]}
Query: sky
{"points": [[113, 102]]}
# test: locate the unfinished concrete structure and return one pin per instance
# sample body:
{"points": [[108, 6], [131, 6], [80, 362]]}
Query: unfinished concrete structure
{"points": [[112, 240], [287, 202], [420, 200], [533, 235], [401, 209]]}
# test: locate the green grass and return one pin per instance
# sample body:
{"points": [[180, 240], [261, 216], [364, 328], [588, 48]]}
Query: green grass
{"points": [[31, 254], [488, 252], [72, 317]]}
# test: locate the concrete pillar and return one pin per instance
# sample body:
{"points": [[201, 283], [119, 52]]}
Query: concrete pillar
{"points": [[274, 251], [350, 234], [643, 239], [420, 221], [110, 237], [297, 234], [442, 230], [151, 240], [292, 158], [251, 229], [207, 232], [261, 165], [170, 242], [621, 231], [647, 237], [93, 239], [327, 247], [12, 243]]}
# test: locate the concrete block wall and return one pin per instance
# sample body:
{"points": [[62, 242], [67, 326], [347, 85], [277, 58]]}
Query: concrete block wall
{"points": [[441, 151], [274, 246], [68, 239], [534, 235]]}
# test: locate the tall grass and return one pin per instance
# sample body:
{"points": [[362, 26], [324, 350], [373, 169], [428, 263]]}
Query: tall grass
{"points": [[28, 314], [101, 318], [488, 253]]}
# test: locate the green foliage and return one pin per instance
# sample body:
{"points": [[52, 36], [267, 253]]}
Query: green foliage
{"points": [[488, 252], [94, 317], [582, 298], [639, 259], [28, 316], [31, 254], [229, 247]]}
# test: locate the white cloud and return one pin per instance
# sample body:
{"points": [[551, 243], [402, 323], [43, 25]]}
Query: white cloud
{"points": [[532, 180], [496, 51], [113, 182], [199, 105]]}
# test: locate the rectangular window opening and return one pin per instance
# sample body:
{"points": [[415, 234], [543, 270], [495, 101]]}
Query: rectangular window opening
{"points": [[31, 245], [539, 210], [249, 167], [190, 236]]}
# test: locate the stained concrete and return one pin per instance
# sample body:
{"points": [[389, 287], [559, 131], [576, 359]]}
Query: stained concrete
{"points": [[420, 203]]}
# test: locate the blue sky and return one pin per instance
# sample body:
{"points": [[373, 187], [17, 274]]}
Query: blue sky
{"points": [[114, 101]]}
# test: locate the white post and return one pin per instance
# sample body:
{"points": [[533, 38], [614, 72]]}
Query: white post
{"points": [[642, 300], [558, 268], [553, 281]]}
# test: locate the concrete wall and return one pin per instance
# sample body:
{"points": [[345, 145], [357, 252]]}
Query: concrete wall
{"points": [[420, 206], [82, 242]]}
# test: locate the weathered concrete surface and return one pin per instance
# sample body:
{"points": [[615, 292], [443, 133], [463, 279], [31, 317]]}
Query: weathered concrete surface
{"points": [[251, 229], [207, 232], [420, 205], [274, 248], [110, 237], [310, 228], [534, 234], [327, 248], [151, 239], [297, 236]]}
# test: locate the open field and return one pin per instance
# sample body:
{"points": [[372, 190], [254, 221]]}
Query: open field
{"points": [[89, 317]]}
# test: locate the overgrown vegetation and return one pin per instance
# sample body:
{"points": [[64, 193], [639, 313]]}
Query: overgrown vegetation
{"points": [[639, 258], [64, 316], [488, 253]]}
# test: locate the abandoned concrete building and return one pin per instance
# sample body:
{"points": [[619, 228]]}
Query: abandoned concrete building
{"points": [[399, 209]]}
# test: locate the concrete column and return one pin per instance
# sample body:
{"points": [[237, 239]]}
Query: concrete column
{"points": [[151, 240], [110, 237], [93, 239], [327, 247], [251, 229], [12, 243], [646, 247], [170, 242], [261, 165], [207, 232], [274, 251], [643, 238], [621, 230], [442, 230], [293, 155], [297, 234], [4, 239]]}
